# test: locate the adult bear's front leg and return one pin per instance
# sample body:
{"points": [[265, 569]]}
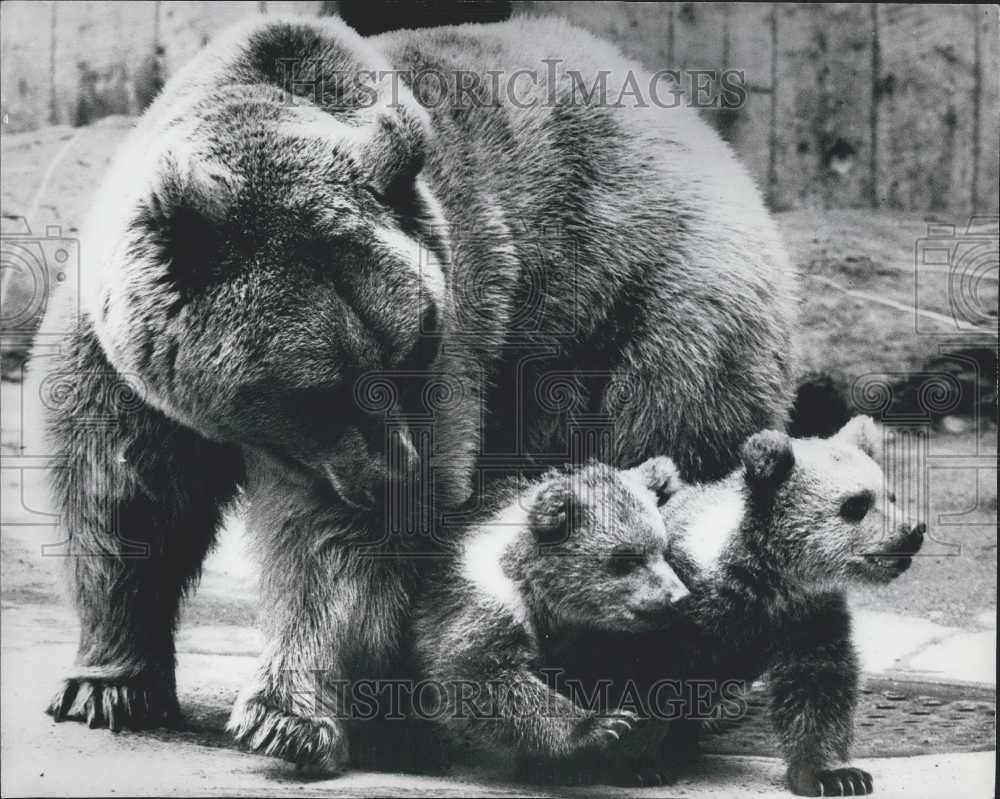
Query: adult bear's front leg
{"points": [[140, 498], [333, 606]]}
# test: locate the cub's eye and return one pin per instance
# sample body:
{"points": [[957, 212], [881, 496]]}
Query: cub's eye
{"points": [[856, 508], [664, 493], [625, 560]]}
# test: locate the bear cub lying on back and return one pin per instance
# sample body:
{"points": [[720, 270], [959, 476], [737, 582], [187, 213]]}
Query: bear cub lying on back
{"points": [[581, 549]]}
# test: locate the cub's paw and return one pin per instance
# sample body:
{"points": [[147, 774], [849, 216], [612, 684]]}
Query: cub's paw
{"points": [[609, 729], [832, 782], [117, 705], [317, 743]]}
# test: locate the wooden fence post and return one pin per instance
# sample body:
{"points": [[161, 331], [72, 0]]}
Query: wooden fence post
{"points": [[53, 110], [873, 117], [977, 104], [772, 138]]}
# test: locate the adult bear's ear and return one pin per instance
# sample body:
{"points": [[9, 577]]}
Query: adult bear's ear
{"points": [[861, 432], [180, 222], [550, 512], [768, 459]]}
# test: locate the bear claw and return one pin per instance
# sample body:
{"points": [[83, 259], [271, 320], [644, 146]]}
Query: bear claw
{"points": [[610, 729], [115, 705], [650, 777], [315, 744], [836, 782]]}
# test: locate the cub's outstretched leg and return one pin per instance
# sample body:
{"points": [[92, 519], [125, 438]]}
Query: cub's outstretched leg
{"points": [[514, 708], [813, 695], [140, 498]]}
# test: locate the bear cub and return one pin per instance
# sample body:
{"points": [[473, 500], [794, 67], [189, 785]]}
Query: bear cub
{"points": [[579, 550], [766, 554]]}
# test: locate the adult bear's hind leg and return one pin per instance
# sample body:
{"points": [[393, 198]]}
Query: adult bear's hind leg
{"points": [[140, 498]]}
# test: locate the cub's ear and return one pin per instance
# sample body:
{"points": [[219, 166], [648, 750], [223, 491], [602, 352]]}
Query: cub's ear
{"points": [[768, 458], [861, 432], [660, 475], [550, 512], [394, 156], [179, 224]]}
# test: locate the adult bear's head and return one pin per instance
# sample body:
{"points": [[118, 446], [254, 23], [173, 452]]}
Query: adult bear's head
{"points": [[279, 256]]}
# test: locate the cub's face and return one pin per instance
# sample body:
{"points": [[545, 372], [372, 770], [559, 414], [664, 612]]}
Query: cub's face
{"points": [[603, 546], [282, 287], [833, 516]]}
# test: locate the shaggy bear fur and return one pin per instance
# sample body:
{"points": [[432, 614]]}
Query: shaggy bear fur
{"points": [[297, 267]]}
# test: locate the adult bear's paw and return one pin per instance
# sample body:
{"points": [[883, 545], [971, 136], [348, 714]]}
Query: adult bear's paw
{"points": [[319, 743], [116, 704]]}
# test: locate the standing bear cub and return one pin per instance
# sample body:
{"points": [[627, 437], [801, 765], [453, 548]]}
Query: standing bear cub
{"points": [[763, 554], [766, 553]]}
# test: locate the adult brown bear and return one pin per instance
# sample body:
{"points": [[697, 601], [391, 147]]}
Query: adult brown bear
{"points": [[349, 267]]}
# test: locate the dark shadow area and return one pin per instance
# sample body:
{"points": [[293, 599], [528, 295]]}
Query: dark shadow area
{"points": [[371, 17]]}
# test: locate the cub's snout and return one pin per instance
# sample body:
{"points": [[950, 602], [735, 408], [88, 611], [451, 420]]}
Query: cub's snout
{"points": [[891, 560], [914, 539], [653, 604]]}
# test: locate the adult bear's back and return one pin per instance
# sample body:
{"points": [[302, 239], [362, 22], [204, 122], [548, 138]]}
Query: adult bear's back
{"points": [[660, 257]]}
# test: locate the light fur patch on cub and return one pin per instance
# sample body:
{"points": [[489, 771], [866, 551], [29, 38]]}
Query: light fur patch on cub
{"points": [[708, 534], [482, 560]]}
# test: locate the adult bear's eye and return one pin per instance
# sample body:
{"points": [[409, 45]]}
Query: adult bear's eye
{"points": [[427, 343], [625, 560], [855, 508]]}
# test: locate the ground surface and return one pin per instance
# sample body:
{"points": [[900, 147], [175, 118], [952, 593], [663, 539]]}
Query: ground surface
{"points": [[216, 653], [859, 279]]}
